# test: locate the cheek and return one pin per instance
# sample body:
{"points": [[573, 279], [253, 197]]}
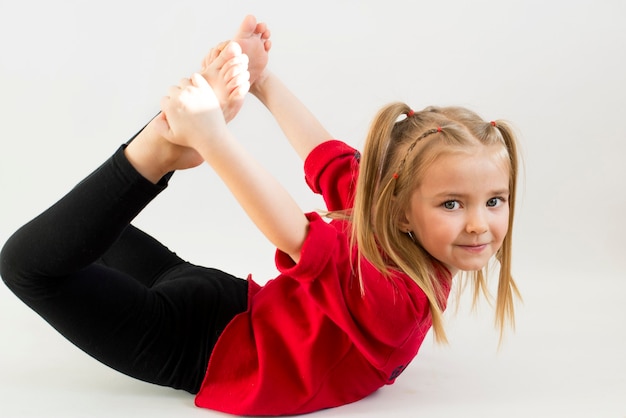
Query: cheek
{"points": [[437, 227], [501, 226]]}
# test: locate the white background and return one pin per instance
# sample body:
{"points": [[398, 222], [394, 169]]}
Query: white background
{"points": [[77, 78]]}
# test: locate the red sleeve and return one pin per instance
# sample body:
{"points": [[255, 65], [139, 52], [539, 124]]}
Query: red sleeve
{"points": [[331, 170]]}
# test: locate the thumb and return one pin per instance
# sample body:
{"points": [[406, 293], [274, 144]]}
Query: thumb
{"points": [[161, 125]]}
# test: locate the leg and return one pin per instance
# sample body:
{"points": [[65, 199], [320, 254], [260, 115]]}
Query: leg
{"points": [[162, 335], [140, 256]]}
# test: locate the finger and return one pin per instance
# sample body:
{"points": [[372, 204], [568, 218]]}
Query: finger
{"points": [[240, 91], [239, 59], [184, 82], [211, 56], [235, 66], [233, 71], [241, 83], [198, 81], [230, 50], [221, 46]]}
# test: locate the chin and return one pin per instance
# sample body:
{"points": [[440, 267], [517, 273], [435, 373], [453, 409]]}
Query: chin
{"points": [[471, 266]]}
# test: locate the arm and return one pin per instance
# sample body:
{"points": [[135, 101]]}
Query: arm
{"points": [[194, 119], [265, 201], [301, 127]]}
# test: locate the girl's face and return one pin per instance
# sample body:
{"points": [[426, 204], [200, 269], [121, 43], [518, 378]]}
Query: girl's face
{"points": [[460, 212]]}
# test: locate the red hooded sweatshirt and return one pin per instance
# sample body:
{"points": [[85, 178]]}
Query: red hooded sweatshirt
{"points": [[310, 338]]}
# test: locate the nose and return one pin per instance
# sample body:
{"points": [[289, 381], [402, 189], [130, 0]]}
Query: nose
{"points": [[476, 222]]}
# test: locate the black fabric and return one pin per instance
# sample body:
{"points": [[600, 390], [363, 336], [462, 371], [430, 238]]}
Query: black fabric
{"points": [[113, 290]]}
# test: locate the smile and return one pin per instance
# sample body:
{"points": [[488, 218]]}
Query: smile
{"points": [[473, 248]]}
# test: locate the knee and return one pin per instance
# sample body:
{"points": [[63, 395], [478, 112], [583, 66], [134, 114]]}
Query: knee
{"points": [[13, 267], [6, 261]]}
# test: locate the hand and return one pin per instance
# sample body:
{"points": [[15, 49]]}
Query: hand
{"points": [[191, 114]]}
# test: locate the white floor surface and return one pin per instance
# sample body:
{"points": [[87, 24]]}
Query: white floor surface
{"points": [[566, 359]]}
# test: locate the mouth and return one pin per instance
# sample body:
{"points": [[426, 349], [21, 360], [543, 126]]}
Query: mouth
{"points": [[473, 248]]}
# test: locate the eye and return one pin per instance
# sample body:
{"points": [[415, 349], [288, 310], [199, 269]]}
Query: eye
{"points": [[451, 205], [495, 202]]}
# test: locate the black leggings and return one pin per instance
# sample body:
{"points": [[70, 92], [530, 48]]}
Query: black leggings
{"points": [[116, 292]]}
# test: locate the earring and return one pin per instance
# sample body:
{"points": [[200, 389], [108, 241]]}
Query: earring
{"points": [[410, 234]]}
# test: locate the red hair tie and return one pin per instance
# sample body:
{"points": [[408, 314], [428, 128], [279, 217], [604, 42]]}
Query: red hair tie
{"points": [[493, 123], [438, 128], [410, 113], [395, 176]]}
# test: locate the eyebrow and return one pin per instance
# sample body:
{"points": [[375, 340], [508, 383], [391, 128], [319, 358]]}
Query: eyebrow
{"points": [[498, 192]]}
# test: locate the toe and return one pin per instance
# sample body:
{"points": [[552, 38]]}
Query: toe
{"points": [[247, 27], [260, 28]]}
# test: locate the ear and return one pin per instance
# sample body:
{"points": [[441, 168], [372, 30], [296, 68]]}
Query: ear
{"points": [[403, 223]]}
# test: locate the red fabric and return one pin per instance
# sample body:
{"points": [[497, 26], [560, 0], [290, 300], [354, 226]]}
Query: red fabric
{"points": [[310, 340]]}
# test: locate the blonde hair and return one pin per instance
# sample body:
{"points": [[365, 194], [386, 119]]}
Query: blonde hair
{"points": [[396, 147]]}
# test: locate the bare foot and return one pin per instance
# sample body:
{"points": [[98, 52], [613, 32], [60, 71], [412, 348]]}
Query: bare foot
{"points": [[254, 39], [153, 155], [226, 70]]}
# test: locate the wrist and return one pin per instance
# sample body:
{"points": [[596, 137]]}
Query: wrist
{"points": [[259, 87]]}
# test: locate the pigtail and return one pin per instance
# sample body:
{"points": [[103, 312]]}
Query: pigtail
{"points": [[507, 288], [491, 133], [377, 209], [373, 182]]}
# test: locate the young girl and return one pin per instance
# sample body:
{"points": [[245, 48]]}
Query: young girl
{"points": [[432, 194]]}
